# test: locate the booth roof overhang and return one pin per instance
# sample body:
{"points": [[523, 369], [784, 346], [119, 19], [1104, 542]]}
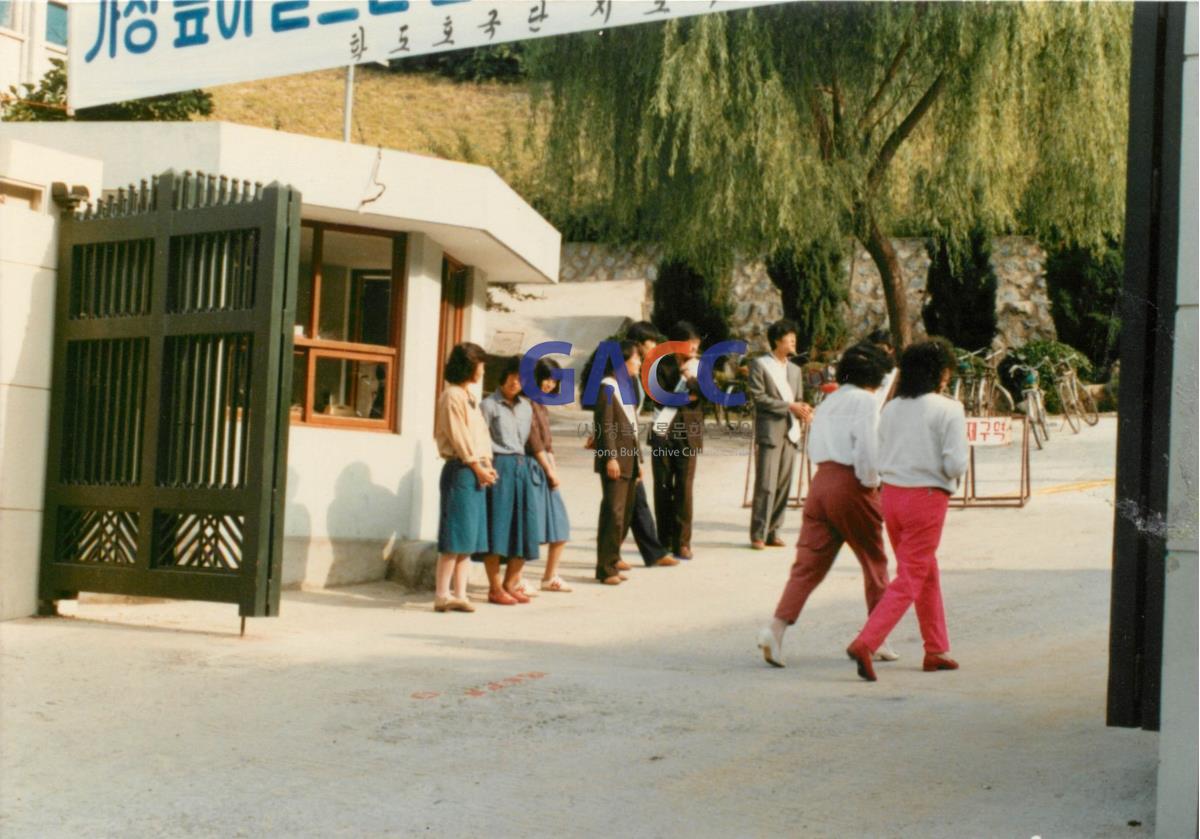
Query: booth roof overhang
{"points": [[467, 209]]}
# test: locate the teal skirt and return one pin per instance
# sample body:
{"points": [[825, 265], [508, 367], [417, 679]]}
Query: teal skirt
{"points": [[516, 508], [557, 527], [462, 521]]}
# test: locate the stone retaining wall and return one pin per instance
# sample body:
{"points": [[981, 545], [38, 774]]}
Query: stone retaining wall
{"points": [[1022, 303]]}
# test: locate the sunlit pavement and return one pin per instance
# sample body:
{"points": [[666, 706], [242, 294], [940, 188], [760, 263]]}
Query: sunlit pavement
{"points": [[642, 710]]}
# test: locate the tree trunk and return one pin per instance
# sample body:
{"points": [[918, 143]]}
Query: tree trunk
{"points": [[895, 291]]}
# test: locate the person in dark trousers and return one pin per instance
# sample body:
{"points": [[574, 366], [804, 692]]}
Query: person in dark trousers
{"points": [[775, 386], [676, 440], [618, 462], [645, 532]]}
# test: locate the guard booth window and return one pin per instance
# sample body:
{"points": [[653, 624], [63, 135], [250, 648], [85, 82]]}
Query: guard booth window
{"points": [[347, 331]]}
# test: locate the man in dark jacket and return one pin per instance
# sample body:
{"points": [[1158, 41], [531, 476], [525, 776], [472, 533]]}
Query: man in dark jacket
{"points": [[676, 440], [617, 460]]}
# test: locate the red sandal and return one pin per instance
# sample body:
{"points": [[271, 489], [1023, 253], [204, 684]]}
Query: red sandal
{"points": [[501, 598]]}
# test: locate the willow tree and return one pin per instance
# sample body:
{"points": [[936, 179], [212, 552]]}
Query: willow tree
{"points": [[780, 126]]}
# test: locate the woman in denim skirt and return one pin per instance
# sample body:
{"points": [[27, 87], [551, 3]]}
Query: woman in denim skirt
{"points": [[463, 440], [515, 500], [557, 527]]}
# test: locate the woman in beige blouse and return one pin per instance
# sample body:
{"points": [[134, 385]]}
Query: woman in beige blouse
{"points": [[463, 440]]}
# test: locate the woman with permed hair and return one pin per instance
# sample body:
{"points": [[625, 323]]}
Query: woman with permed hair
{"points": [[922, 455], [842, 506], [463, 440]]}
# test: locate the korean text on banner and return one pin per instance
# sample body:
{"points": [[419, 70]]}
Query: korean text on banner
{"points": [[129, 49]]}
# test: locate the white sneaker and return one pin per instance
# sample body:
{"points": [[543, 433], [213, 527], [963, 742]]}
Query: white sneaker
{"points": [[771, 651], [886, 653]]}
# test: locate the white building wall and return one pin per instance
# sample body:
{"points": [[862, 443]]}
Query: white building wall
{"points": [[28, 261], [1178, 751], [475, 321], [418, 386], [352, 496], [24, 52]]}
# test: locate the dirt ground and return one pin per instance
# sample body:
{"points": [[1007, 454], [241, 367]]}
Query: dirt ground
{"points": [[643, 710]]}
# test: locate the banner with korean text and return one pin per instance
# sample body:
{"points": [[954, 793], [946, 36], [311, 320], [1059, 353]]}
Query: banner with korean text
{"points": [[129, 49]]}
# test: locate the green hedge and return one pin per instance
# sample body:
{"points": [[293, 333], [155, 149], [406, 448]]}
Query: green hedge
{"points": [[1045, 356]]}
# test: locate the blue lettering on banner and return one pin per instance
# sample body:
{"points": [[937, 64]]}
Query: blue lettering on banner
{"points": [[337, 16], [140, 34], [387, 7], [280, 22], [190, 15], [240, 9]]}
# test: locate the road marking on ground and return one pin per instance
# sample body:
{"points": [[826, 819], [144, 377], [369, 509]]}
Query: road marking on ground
{"points": [[1077, 486], [500, 684]]}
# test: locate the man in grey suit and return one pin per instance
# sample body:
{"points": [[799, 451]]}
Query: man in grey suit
{"points": [[776, 389]]}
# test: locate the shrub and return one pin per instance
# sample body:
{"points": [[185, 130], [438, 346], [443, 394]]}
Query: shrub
{"points": [[1085, 300], [682, 293], [1045, 356], [961, 291], [813, 290], [47, 102], [499, 62]]}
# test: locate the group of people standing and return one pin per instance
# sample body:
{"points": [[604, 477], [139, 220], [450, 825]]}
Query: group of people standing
{"points": [[499, 487], [889, 450], [675, 438]]}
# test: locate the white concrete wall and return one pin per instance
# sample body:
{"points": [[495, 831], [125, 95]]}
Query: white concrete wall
{"points": [[1178, 753], [28, 260], [353, 495], [24, 53], [582, 313], [475, 321]]}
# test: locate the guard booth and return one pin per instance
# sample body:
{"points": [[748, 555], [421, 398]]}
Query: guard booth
{"points": [[170, 391]]}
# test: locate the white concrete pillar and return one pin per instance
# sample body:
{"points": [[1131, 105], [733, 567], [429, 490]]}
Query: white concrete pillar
{"points": [[475, 318], [28, 270], [1177, 755], [418, 379]]}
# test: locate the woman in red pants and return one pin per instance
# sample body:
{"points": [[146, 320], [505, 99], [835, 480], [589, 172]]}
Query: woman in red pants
{"points": [[922, 456], [843, 503]]}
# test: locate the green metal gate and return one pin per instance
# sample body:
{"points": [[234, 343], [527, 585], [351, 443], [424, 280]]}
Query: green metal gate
{"points": [[170, 393]]}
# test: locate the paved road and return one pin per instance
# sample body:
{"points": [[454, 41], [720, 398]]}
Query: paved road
{"points": [[641, 710]]}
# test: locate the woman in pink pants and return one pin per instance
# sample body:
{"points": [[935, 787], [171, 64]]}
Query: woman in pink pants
{"points": [[922, 456]]}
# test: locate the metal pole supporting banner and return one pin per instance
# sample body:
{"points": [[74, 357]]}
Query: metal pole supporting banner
{"points": [[348, 104]]}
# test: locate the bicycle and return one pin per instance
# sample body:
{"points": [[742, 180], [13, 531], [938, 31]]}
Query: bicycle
{"points": [[731, 378], [1035, 403], [979, 390], [1077, 402]]}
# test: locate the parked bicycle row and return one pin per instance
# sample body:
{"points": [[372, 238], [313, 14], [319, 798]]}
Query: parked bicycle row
{"points": [[1028, 382]]}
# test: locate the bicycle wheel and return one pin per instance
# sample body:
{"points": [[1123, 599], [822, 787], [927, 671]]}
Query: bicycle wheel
{"points": [[1031, 417], [1087, 406], [1040, 414], [1001, 401], [1066, 396]]}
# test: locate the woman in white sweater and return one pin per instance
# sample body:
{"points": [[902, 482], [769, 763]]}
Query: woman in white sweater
{"points": [[922, 456]]}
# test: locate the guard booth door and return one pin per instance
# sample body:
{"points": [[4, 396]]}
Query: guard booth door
{"points": [[170, 393]]}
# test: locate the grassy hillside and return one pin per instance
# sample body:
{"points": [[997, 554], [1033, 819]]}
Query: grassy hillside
{"points": [[487, 123]]}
